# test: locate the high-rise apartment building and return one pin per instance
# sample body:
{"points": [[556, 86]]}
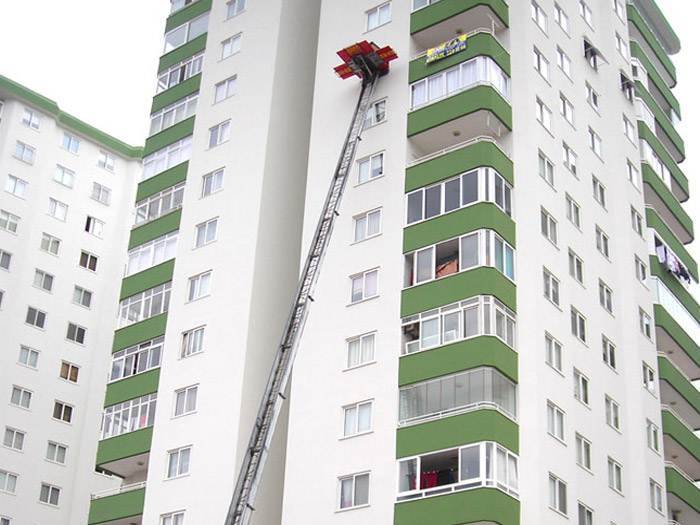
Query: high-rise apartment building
{"points": [[66, 188]]}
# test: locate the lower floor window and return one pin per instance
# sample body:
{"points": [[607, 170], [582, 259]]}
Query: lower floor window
{"points": [[354, 490], [557, 494], [173, 518], [49, 494]]}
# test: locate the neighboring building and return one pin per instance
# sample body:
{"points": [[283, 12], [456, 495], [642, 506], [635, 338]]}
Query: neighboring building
{"points": [[66, 188]]}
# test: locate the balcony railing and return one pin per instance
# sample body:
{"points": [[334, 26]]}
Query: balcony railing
{"points": [[463, 144], [118, 490], [470, 34], [666, 298]]}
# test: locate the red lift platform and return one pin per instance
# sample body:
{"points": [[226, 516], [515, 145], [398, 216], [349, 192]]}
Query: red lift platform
{"points": [[365, 60]]}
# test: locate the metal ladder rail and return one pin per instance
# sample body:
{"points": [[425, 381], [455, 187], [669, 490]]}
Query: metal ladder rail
{"points": [[241, 507]]}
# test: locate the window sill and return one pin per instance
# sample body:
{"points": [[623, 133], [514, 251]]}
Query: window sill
{"points": [[190, 301], [353, 508], [371, 179], [369, 30], [362, 365], [366, 239], [359, 434], [178, 477], [54, 462], [367, 299]]}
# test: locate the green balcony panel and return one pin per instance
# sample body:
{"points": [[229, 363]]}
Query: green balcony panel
{"points": [[444, 9], [165, 179], [680, 433], [636, 19], [139, 332], [117, 507], [664, 194], [661, 118], [678, 176], [666, 321], [457, 161], [132, 387], [637, 52], [159, 274], [669, 373], [124, 446], [480, 44], [678, 290], [456, 357], [656, 222], [169, 136], [177, 92], [479, 281], [682, 488], [190, 12], [480, 98], [154, 229], [181, 53], [459, 222], [454, 431]]}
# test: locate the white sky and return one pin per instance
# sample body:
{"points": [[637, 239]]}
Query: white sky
{"points": [[98, 60]]}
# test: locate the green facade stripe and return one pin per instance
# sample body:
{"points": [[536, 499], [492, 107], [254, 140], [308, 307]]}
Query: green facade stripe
{"points": [[147, 279], [455, 431], [117, 507], [459, 222], [676, 484], [674, 285], [190, 12], [661, 118], [448, 290], [440, 11], [457, 357], [166, 179], [680, 433], [181, 53], [669, 373], [124, 446], [666, 321], [139, 332], [637, 52], [132, 387], [656, 222], [648, 135], [154, 229], [648, 35], [479, 98], [177, 92], [169, 136], [483, 153], [67, 120], [480, 44], [664, 193]]}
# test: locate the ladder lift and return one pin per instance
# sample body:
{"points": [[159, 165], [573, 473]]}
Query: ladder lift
{"points": [[368, 62]]}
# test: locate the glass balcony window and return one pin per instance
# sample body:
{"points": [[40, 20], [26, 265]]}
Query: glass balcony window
{"points": [[129, 416], [180, 72]]}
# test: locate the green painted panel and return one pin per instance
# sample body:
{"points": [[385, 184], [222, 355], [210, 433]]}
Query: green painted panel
{"points": [[190, 12], [458, 161], [163, 180], [678, 290], [479, 281], [684, 489], [175, 93], [154, 229], [648, 135], [450, 225], [654, 221], [639, 22], [117, 507], [464, 103], [168, 136], [139, 332], [664, 320], [637, 52], [480, 44], [159, 274], [181, 53], [674, 428], [661, 118], [664, 193], [455, 431], [124, 446], [670, 374], [455, 357], [444, 9], [132, 387]]}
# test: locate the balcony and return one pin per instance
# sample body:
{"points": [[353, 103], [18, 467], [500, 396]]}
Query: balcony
{"points": [[127, 454], [641, 32], [121, 506], [656, 155], [663, 127], [681, 445], [679, 393], [657, 87], [654, 17], [682, 496], [658, 195], [664, 233]]}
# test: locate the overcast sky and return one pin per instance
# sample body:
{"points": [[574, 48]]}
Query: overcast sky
{"points": [[98, 60]]}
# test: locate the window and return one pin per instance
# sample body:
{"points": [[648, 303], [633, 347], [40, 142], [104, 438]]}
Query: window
{"points": [[198, 286], [185, 400], [5, 259], [82, 297], [548, 226], [94, 226], [609, 353], [561, 18], [24, 152], [645, 323], [152, 253], [357, 418], [28, 356], [378, 16], [594, 142], [21, 397], [71, 143], [49, 494], [364, 286], [101, 194], [212, 182], [656, 495], [370, 168], [179, 462], [9, 221], [225, 89], [555, 421], [35, 317], [136, 359], [50, 244], [551, 286], [575, 266], [13, 438], [128, 416], [205, 232], [592, 97], [602, 242], [173, 518], [583, 452], [564, 62], [585, 12], [43, 280], [231, 46], [367, 225], [632, 174], [628, 129], [234, 7], [619, 8], [105, 161], [557, 494], [621, 46], [376, 114], [637, 222], [159, 204], [578, 324], [573, 211], [612, 413], [605, 296], [541, 64], [64, 176], [546, 168], [180, 72], [591, 54], [640, 270], [192, 342], [88, 261], [614, 475], [69, 372], [553, 352], [76, 333], [31, 118], [354, 491], [144, 305], [585, 515], [648, 378], [570, 157], [57, 209], [539, 16], [167, 157], [4, 520], [16, 186], [62, 411], [598, 192], [219, 133], [566, 109], [581, 387], [653, 437], [360, 350], [56, 452], [8, 482], [185, 33], [543, 114]]}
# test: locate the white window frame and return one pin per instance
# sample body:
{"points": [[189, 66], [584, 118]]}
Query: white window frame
{"points": [[595, 142], [570, 158], [556, 422], [573, 211], [56, 452], [585, 12], [612, 413], [151, 254], [101, 193], [206, 232], [649, 378], [602, 242], [543, 114], [365, 294], [592, 97], [548, 226], [187, 33], [179, 468], [106, 161], [371, 169], [192, 342], [28, 357], [24, 152], [33, 317], [653, 436], [64, 176], [545, 167], [24, 397], [540, 63], [76, 333], [605, 296], [225, 89], [557, 489], [129, 416], [31, 118], [376, 114], [199, 286], [576, 267], [599, 192], [231, 45], [185, 401], [173, 113], [645, 324], [551, 287], [70, 143], [16, 186], [43, 280], [641, 270], [581, 387], [609, 353], [217, 182], [564, 62], [656, 496], [159, 204], [167, 157], [353, 503], [65, 411], [72, 371], [583, 452], [614, 475], [136, 359], [234, 8], [94, 226], [352, 419], [14, 439], [150, 303], [538, 16], [58, 210], [219, 134], [50, 244], [178, 73], [360, 350], [579, 326], [361, 225], [566, 108], [561, 18], [49, 494], [378, 11]]}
